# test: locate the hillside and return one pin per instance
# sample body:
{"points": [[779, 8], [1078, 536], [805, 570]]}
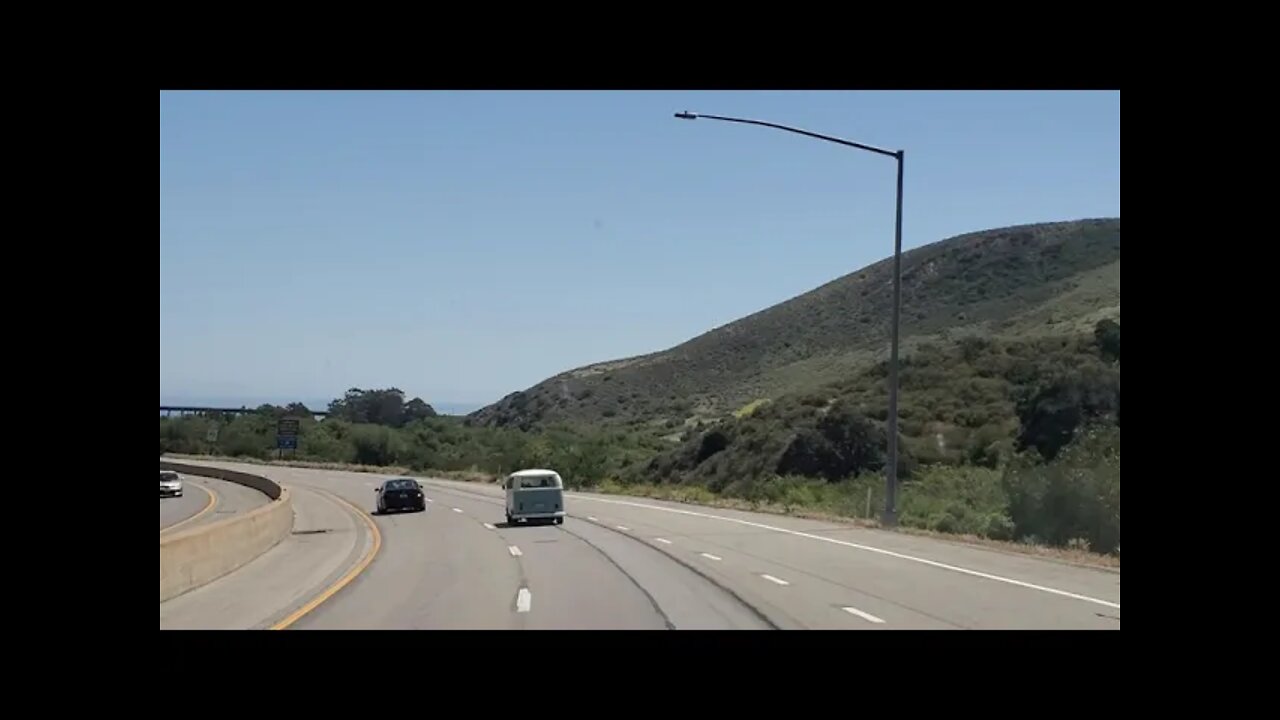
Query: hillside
{"points": [[977, 402], [1002, 438], [1045, 280]]}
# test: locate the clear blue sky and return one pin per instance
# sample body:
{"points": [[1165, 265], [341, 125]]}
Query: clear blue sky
{"points": [[463, 245]]}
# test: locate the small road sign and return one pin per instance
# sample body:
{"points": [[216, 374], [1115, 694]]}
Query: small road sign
{"points": [[287, 426]]}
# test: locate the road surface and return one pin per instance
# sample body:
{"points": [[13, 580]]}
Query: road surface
{"points": [[205, 500], [622, 563]]}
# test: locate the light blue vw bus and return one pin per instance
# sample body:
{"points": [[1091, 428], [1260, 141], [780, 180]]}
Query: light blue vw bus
{"points": [[535, 495]]}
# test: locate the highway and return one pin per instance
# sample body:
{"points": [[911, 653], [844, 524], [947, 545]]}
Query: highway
{"points": [[205, 500], [622, 563]]}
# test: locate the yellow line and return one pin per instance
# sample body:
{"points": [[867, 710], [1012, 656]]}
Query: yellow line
{"points": [[213, 502], [351, 575]]}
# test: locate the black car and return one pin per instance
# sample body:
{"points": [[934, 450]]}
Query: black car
{"points": [[400, 494]]}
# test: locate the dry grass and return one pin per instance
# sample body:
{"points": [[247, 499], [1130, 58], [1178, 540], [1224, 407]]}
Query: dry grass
{"points": [[698, 495]]}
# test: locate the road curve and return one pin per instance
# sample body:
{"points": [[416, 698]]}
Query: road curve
{"points": [[205, 500], [631, 563], [195, 500]]}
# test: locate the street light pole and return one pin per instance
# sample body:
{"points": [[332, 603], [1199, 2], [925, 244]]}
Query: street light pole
{"points": [[890, 515], [890, 518]]}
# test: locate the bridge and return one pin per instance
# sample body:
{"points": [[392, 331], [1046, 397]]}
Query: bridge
{"points": [[169, 410]]}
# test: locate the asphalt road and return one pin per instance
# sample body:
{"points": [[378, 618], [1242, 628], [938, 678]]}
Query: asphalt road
{"points": [[205, 500], [625, 563]]}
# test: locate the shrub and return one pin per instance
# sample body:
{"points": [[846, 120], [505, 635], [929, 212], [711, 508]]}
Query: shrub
{"points": [[1076, 495], [970, 501]]}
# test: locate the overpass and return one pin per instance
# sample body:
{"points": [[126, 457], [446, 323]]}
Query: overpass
{"points": [[169, 410]]}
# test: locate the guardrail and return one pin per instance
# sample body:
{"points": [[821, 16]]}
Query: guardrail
{"points": [[201, 554]]}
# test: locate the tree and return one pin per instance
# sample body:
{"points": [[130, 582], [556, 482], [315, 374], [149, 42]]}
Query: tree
{"points": [[1051, 415], [379, 407], [416, 409], [297, 409]]}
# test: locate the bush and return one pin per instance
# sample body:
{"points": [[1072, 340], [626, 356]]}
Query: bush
{"points": [[376, 445], [1075, 496], [843, 444], [969, 501], [1107, 336], [713, 442]]}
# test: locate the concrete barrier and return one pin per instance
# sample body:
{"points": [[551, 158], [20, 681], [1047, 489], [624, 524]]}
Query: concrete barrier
{"points": [[257, 482], [203, 553]]}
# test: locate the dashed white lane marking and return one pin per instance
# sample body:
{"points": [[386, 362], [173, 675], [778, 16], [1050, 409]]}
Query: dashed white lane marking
{"points": [[515, 551], [864, 615], [623, 528], [868, 548], [709, 556], [489, 526], [593, 519], [524, 600], [457, 510], [429, 500], [776, 581], [664, 541]]}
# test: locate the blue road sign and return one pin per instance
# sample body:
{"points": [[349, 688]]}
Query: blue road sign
{"points": [[287, 442]]}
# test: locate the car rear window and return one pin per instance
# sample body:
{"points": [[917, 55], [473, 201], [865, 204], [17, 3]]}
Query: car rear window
{"points": [[401, 485]]}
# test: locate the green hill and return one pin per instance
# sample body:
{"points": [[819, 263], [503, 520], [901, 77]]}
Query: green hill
{"points": [[1024, 282], [1009, 406]]}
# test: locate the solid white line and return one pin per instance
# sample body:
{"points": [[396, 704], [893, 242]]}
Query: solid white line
{"points": [[593, 519], [664, 541], [457, 510], [623, 528], [515, 551], [489, 526], [709, 556], [773, 579], [524, 599], [864, 615], [868, 548]]}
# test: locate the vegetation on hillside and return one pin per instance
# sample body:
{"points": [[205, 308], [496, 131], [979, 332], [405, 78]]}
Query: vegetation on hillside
{"points": [[1054, 278], [996, 435]]}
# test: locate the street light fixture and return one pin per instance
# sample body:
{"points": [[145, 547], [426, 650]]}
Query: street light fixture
{"points": [[890, 516]]}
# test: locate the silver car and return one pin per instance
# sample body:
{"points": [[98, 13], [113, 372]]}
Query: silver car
{"points": [[170, 484]]}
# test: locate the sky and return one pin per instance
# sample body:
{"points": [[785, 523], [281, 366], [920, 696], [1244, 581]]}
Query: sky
{"points": [[464, 245]]}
